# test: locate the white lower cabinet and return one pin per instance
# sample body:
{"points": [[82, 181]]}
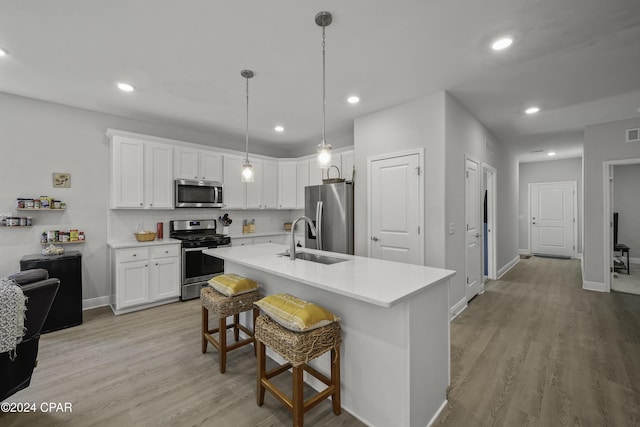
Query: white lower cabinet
{"points": [[145, 276]]}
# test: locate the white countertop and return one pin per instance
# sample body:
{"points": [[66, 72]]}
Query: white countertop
{"points": [[375, 281], [133, 243]]}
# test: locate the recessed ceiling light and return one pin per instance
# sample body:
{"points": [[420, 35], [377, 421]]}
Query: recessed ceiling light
{"points": [[551, 153], [125, 87], [502, 43], [353, 99], [532, 110], [3, 52], [279, 128]]}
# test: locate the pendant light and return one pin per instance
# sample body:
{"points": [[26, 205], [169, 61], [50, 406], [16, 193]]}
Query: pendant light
{"points": [[323, 152], [247, 168]]}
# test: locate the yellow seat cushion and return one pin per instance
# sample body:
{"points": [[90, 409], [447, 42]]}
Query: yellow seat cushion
{"points": [[295, 314], [232, 284]]}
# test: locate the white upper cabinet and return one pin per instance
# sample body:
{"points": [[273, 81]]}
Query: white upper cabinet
{"points": [[141, 174], [234, 193], [287, 190], [127, 173], [262, 192], [158, 164], [347, 165], [302, 180], [254, 189], [269, 184], [197, 164]]}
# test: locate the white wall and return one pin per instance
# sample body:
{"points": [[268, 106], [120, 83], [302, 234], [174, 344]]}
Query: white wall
{"points": [[415, 124], [602, 142], [465, 135], [626, 202], [549, 171], [39, 138], [447, 132]]}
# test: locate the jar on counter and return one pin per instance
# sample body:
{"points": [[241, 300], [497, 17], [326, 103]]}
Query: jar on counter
{"points": [[36, 203], [28, 203], [81, 236], [51, 236], [22, 221], [73, 235], [12, 221], [20, 203], [29, 221], [56, 204]]}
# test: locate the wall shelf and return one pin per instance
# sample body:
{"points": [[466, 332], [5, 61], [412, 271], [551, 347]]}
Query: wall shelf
{"points": [[41, 210], [62, 243]]}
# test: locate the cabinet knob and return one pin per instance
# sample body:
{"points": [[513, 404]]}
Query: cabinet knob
{"points": [[150, 204], [135, 254], [204, 177], [140, 204], [166, 252], [146, 265], [156, 263], [195, 177]]}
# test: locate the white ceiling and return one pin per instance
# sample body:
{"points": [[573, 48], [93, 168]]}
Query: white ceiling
{"points": [[579, 60]]}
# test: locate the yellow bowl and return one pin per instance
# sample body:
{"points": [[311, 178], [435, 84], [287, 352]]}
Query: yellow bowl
{"points": [[145, 237]]}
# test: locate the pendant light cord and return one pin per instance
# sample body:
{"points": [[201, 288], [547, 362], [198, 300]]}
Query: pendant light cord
{"points": [[247, 127], [324, 95]]}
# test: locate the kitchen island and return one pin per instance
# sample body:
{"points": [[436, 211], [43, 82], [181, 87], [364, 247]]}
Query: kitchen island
{"points": [[395, 323]]}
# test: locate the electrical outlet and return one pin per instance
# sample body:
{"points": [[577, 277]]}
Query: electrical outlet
{"points": [[452, 228]]}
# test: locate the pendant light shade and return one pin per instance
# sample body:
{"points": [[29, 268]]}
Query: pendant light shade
{"points": [[323, 152], [247, 168]]}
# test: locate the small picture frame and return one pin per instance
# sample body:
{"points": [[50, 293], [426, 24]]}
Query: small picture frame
{"points": [[61, 180]]}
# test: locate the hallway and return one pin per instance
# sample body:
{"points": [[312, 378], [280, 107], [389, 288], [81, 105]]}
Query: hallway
{"points": [[536, 349]]}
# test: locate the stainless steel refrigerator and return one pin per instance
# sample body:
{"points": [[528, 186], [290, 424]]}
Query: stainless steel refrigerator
{"points": [[330, 207]]}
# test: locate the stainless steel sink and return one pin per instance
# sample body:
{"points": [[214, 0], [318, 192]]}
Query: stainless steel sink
{"points": [[322, 259]]}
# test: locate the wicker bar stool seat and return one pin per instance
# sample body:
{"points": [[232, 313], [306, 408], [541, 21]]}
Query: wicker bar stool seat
{"points": [[225, 306], [298, 348]]}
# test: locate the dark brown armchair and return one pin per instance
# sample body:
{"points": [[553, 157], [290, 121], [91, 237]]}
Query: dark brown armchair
{"points": [[40, 291]]}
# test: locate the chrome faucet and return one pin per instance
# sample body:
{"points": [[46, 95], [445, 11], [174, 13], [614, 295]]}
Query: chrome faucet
{"points": [[292, 246]]}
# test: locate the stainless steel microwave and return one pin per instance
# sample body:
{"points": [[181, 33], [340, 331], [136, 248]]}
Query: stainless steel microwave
{"points": [[191, 193]]}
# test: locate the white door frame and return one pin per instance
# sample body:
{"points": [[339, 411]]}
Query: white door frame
{"points": [[370, 159], [492, 194], [606, 215], [575, 213], [478, 209]]}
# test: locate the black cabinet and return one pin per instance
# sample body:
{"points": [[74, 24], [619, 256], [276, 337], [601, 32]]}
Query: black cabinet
{"points": [[66, 310]]}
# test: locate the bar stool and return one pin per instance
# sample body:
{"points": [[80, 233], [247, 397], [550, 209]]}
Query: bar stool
{"points": [[298, 348], [225, 306]]}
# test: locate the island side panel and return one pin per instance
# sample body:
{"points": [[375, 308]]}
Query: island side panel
{"points": [[429, 362], [377, 357]]}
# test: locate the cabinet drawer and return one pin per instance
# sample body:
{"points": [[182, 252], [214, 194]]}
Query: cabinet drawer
{"points": [[133, 254], [165, 251]]}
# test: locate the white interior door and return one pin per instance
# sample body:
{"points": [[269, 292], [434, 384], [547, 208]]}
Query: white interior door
{"points": [[552, 218], [395, 212], [473, 232]]}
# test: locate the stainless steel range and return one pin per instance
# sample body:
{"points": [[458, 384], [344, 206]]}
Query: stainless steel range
{"points": [[197, 268]]}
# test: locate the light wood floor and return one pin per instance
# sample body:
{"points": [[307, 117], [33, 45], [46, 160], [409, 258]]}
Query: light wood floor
{"points": [[534, 349], [147, 369]]}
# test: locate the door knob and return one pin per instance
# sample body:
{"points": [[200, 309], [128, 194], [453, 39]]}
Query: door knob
{"points": [[374, 238], [477, 235]]}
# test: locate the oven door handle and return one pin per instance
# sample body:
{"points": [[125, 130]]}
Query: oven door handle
{"points": [[200, 249]]}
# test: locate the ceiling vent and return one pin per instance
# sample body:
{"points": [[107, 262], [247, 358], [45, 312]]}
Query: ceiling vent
{"points": [[633, 135], [488, 145]]}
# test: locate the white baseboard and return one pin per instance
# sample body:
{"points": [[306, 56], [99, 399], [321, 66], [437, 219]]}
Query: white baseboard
{"points": [[90, 303], [578, 256], [508, 267], [593, 286], [524, 252], [435, 416], [458, 308]]}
